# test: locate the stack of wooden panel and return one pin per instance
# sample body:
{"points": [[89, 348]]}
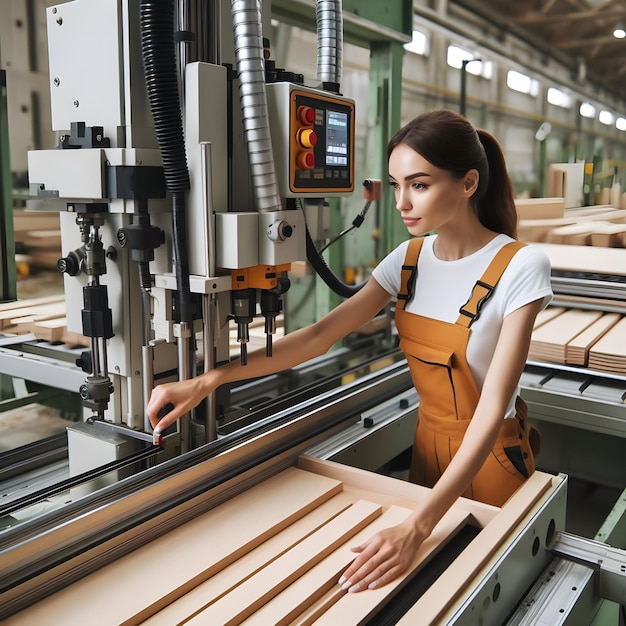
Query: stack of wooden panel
{"points": [[43, 317], [273, 555], [37, 236], [578, 337]]}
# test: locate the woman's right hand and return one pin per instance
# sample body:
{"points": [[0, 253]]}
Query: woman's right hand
{"points": [[180, 397]]}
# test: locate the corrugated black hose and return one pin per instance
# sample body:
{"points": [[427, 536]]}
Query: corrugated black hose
{"points": [[325, 273], [159, 60]]}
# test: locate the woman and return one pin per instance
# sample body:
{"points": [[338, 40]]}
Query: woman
{"points": [[467, 298]]}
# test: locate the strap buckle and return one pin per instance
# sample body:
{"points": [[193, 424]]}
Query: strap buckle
{"points": [[479, 301]]}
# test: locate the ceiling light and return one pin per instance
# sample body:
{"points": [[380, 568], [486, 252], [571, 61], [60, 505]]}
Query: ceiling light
{"points": [[619, 32]]}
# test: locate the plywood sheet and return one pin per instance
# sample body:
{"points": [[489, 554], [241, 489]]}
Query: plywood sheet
{"points": [[267, 583], [228, 578], [355, 608], [137, 585]]}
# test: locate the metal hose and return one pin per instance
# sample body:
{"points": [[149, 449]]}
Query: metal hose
{"points": [[329, 21], [246, 15]]}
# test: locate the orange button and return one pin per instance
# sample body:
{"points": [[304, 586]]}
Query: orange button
{"points": [[306, 115], [305, 161], [307, 137]]}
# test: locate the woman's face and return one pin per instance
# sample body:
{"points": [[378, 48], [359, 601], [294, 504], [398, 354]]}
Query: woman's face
{"points": [[427, 197]]}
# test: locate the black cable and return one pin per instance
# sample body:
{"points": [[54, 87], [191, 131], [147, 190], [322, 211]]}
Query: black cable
{"points": [[159, 59]]}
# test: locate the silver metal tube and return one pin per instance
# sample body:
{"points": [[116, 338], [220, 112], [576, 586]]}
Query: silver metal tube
{"points": [[147, 369], [209, 303], [329, 22], [246, 15], [184, 373]]}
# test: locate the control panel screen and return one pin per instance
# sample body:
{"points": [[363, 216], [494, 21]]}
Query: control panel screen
{"points": [[321, 159], [336, 138]]}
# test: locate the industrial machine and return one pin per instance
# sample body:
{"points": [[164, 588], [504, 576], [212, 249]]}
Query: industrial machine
{"points": [[190, 175]]}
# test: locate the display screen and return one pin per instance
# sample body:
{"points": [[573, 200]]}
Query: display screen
{"points": [[336, 138]]}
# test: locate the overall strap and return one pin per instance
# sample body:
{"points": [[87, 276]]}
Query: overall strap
{"points": [[484, 287], [409, 273]]}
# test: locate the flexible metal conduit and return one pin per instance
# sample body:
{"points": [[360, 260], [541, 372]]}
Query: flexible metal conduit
{"points": [[329, 21], [246, 15]]}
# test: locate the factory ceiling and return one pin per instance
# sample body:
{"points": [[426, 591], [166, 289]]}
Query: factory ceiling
{"points": [[578, 33]]}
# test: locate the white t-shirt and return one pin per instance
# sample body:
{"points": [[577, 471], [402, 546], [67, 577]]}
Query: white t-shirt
{"points": [[443, 287]]}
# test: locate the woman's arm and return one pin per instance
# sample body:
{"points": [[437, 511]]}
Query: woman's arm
{"points": [[389, 553], [288, 351]]}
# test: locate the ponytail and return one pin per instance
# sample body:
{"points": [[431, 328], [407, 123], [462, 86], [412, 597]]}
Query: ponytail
{"points": [[495, 203]]}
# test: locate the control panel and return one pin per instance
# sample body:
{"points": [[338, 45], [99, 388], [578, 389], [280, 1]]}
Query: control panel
{"points": [[312, 140]]}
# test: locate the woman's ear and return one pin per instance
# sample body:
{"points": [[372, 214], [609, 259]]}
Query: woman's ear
{"points": [[470, 183]]}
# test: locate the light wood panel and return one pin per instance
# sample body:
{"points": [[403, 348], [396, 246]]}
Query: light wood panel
{"points": [[242, 601], [137, 585], [577, 350], [548, 342], [228, 578], [609, 353], [355, 608]]}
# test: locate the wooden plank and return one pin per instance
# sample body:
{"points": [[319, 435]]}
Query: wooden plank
{"points": [[549, 340], [39, 313], [577, 350], [546, 315], [228, 578], [441, 594], [390, 491], [136, 586], [609, 352], [252, 593], [356, 608]]}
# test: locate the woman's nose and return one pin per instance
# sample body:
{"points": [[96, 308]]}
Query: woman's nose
{"points": [[402, 201]]}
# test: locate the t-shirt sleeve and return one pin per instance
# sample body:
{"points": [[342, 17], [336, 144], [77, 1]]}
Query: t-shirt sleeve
{"points": [[527, 279], [388, 272]]}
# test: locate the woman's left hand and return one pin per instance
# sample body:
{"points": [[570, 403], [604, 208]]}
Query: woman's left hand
{"points": [[383, 557]]}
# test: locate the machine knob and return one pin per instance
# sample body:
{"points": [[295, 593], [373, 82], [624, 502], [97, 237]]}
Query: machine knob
{"points": [[305, 161], [73, 263], [279, 231]]}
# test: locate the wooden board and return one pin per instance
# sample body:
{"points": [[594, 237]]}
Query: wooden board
{"points": [[242, 601], [137, 585], [355, 608], [291, 581], [549, 341], [546, 315], [247, 565], [608, 354], [431, 606], [577, 350]]}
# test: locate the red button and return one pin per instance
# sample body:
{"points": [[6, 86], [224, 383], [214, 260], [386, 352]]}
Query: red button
{"points": [[306, 115], [305, 161]]}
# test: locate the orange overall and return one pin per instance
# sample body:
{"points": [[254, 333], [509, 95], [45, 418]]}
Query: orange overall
{"points": [[436, 353]]}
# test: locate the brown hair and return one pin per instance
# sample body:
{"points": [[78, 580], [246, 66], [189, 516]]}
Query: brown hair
{"points": [[450, 142]]}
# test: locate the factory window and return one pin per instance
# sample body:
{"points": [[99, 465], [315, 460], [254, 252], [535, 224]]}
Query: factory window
{"points": [[559, 98], [587, 109], [418, 43], [606, 117], [522, 83], [620, 123], [456, 56]]}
